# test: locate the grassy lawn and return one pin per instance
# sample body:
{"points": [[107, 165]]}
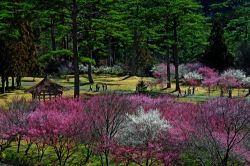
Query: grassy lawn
{"points": [[115, 83], [49, 157]]}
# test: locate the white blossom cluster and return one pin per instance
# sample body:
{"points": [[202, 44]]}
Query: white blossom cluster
{"points": [[84, 68], [103, 69], [182, 70], [193, 75], [246, 81], [109, 70], [142, 127], [238, 74]]}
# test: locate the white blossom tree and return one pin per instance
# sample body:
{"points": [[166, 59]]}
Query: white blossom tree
{"points": [[142, 127]]}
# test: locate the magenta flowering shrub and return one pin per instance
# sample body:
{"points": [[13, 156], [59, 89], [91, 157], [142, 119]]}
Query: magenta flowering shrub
{"points": [[214, 132], [63, 104], [210, 77], [220, 129], [7, 135], [58, 125]]}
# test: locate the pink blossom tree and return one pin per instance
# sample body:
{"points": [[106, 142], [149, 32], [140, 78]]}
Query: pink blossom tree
{"points": [[192, 79], [6, 136], [230, 79], [105, 115], [210, 77], [57, 125], [56, 129], [220, 130]]}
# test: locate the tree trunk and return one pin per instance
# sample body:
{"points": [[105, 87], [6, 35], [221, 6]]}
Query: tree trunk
{"points": [[106, 158], [67, 41], [28, 148], [147, 162], [168, 57], [230, 91], [19, 143], [75, 49], [52, 33], [12, 83], [114, 55], [64, 45], [102, 163], [175, 54], [136, 46], [91, 81], [3, 84], [168, 71], [18, 81], [7, 82], [221, 92], [225, 160], [110, 52]]}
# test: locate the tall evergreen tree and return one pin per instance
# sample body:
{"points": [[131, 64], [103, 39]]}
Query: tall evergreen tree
{"points": [[17, 50], [217, 54]]}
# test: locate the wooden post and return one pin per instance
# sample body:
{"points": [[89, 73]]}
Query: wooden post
{"points": [[49, 95]]}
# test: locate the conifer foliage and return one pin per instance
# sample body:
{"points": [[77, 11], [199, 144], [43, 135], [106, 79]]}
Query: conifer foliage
{"points": [[217, 54]]}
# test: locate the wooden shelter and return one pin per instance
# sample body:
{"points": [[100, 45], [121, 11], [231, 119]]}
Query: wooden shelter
{"points": [[46, 89]]}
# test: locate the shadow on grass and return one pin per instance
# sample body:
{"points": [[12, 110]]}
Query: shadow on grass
{"points": [[24, 80], [126, 77], [3, 96]]}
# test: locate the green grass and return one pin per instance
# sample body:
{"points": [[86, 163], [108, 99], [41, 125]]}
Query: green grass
{"points": [[48, 159], [120, 83]]}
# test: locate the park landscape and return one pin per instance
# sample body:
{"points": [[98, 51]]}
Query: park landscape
{"points": [[126, 83]]}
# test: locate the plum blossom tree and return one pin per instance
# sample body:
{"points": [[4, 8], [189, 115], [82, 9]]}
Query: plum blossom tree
{"points": [[220, 130], [238, 74], [193, 78], [210, 77], [230, 79], [57, 125], [106, 114], [139, 138], [6, 136], [56, 129], [142, 127]]}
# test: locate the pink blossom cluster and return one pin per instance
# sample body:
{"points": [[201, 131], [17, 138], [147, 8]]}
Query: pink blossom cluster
{"points": [[220, 126], [196, 74]]}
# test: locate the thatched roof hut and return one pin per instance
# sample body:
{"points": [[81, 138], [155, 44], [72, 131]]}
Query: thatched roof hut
{"points": [[46, 88]]}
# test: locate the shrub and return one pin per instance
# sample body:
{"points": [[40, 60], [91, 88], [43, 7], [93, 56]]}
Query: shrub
{"points": [[141, 87]]}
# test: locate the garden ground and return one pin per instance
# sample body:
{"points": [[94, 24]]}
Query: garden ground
{"points": [[121, 84]]}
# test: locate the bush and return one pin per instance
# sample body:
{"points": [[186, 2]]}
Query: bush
{"points": [[17, 159], [141, 87]]}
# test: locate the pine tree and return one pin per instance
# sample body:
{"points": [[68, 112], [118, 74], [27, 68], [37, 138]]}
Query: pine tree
{"points": [[17, 49], [217, 54]]}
